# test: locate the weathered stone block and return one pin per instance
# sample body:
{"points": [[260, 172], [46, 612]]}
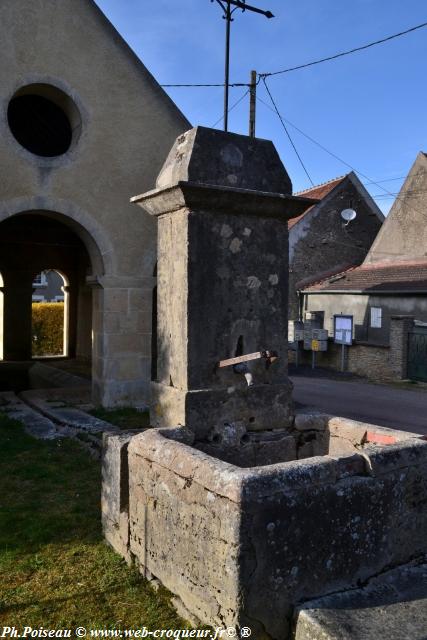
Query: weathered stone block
{"points": [[116, 300], [115, 492], [311, 421], [345, 428], [271, 536], [132, 343], [208, 409]]}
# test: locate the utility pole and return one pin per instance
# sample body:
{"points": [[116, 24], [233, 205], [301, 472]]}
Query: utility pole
{"points": [[252, 103], [226, 6]]}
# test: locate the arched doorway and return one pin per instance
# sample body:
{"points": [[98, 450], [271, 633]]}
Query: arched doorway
{"points": [[31, 245], [109, 317], [50, 314]]}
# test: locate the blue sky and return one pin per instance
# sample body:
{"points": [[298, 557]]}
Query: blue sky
{"points": [[369, 108]]}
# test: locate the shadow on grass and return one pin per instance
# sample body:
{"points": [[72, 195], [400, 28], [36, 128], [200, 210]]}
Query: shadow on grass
{"points": [[124, 417], [55, 570], [49, 491]]}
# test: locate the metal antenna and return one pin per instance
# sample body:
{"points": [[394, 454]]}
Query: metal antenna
{"points": [[228, 13]]}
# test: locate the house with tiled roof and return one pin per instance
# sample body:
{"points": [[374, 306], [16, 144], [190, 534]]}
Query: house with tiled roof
{"points": [[319, 242], [392, 280]]}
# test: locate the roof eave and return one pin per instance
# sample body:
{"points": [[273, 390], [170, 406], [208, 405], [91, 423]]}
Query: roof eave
{"points": [[367, 291]]}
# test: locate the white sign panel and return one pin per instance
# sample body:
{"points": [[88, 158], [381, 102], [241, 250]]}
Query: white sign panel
{"points": [[343, 329], [376, 314]]}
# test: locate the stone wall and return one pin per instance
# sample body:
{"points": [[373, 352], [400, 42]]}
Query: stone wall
{"points": [[319, 242], [370, 361], [359, 305], [380, 363]]}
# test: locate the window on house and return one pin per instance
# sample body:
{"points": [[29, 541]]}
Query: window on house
{"points": [[40, 280], [376, 317]]}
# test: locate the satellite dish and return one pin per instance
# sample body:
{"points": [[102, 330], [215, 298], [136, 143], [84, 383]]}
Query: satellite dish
{"points": [[348, 215]]}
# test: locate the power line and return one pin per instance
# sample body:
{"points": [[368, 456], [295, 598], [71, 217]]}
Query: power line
{"points": [[410, 193], [345, 53], [331, 153], [399, 197], [286, 131], [393, 179], [231, 108], [307, 64], [387, 180], [221, 84]]}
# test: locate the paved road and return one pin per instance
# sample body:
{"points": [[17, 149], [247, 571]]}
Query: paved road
{"points": [[377, 404]]}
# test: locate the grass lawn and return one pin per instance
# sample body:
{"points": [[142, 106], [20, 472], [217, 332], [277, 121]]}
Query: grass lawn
{"points": [[123, 417], [55, 570]]}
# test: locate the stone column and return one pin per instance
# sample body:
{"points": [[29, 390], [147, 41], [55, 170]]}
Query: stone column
{"points": [[1, 316], [121, 361], [399, 329], [222, 202], [17, 320]]}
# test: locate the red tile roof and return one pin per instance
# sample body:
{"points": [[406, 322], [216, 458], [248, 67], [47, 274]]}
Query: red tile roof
{"points": [[318, 193], [324, 276], [378, 277]]}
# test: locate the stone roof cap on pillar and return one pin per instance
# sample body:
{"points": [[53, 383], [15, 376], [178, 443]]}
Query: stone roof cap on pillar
{"points": [[211, 157]]}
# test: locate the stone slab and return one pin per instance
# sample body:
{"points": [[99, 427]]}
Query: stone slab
{"points": [[58, 411], [36, 425], [392, 606]]}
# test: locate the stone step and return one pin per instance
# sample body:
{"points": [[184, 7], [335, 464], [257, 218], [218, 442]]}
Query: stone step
{"points": [[392, 606]]}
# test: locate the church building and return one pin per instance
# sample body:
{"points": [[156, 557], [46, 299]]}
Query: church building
{"points": [[83, 127]]}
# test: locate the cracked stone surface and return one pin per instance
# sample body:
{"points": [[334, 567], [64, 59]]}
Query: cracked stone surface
{"points": [[391, 606]]}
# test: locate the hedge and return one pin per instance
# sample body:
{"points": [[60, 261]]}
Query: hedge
{"points": [[48, 328]]}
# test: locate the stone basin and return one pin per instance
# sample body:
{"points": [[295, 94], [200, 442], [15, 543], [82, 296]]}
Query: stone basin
{"points": [[243, 527]]}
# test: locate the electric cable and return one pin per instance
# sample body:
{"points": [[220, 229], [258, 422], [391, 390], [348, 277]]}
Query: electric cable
{"points": [[286, 130], [399, 197], [234, 84], [345, 53], [231, 108], [331, 153], [307, 64]]}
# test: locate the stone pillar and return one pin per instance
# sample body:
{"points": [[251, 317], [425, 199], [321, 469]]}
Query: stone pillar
{"points": [[222, 202], [84, 322], [17, 320], [399, 329], [1, 316], [121, 362]]}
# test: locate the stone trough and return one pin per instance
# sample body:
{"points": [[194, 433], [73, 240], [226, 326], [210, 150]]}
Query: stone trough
{"points": [[244, 545]]}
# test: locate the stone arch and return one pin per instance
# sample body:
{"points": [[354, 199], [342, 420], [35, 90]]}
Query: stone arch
{"points": [[36, 241], [96, 240], [52, 287]]}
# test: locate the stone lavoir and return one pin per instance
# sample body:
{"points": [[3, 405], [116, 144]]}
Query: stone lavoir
{"points": [[243, 509]]}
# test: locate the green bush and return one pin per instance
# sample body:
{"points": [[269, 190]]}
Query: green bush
{"points": [[48, 328]]}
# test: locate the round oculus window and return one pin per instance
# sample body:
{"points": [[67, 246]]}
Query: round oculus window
{"points": [[41, 119]]}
